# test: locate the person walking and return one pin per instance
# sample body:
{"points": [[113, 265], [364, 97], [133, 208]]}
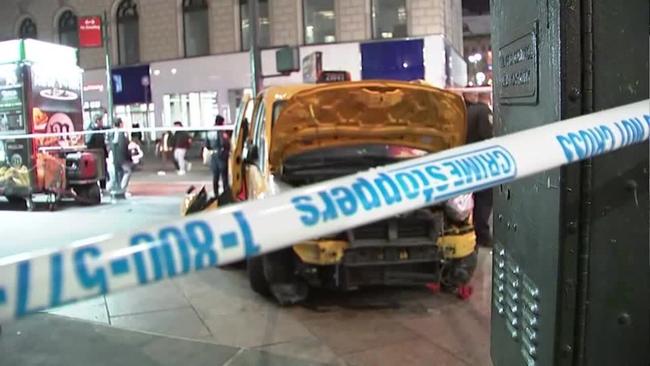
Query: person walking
{"points": [[218, 143], [166, 149], [97, 141], [122, 160], [137, 135], [182, 143], [479, 128]]}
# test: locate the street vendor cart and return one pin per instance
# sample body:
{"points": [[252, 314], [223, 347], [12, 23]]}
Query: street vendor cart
{"points": [[42, 148]]}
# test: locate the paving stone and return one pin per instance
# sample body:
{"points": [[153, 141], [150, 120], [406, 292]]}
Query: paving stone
{"points": [[183, 322]]}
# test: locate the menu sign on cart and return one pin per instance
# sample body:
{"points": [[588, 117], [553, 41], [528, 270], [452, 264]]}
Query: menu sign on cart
{"points": [[14, 153], [11, 98], [56, 104]]}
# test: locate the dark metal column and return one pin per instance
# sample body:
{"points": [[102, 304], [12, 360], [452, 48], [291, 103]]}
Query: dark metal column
{"points": [[571, 272], [255, 52]]}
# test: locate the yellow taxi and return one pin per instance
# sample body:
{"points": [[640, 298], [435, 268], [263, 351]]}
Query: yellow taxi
{"points": [[290, 136]]}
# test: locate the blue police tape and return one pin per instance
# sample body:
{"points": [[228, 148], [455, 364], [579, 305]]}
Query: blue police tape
{"points": [[428, 182], [36, 281], [589, 142]]}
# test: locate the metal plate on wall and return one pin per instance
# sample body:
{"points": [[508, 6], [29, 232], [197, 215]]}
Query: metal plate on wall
{"points": [[518, 61]]}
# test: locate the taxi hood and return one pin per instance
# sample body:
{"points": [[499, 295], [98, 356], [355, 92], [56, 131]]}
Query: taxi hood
{"points": [[368, 112]]}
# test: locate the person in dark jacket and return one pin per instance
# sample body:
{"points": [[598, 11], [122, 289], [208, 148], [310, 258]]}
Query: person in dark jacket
{"points": [[97, 141], [218, 143], [136, 136], [123, 161], [479, 128], [182, 143]]}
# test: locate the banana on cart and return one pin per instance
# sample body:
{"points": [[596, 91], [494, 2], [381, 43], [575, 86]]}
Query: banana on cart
{"points": [[17, 176]]}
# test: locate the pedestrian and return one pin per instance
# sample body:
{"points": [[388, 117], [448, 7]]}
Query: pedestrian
{"points": [[479, 128], [218, 143], [97, 141], [182, 143], [123, 160], [137, 135], [167, 151], [136, 153]]}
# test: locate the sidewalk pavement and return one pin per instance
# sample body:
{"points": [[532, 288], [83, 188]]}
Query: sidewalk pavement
{"points": [[56, 341]]}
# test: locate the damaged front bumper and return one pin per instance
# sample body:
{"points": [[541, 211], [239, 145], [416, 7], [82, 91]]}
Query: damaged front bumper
{"points": [[406, 250]]}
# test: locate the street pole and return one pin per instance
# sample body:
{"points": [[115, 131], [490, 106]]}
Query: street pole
{"points": [[107, 57], [109, 90], [255, 54]]}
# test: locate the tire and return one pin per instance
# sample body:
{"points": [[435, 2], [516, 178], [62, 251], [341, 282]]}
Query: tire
{"points": [[17, 203], [285, 285], [256, 277], [89, 194], [94, 194], [225, 198]]}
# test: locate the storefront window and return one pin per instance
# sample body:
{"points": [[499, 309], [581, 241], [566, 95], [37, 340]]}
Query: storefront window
{"points": [[137, 114], [263, 32], [128, 33], [192, 109], [91, 109], [388, 19], [479, 67], [68, 34], [320, 21], [195, 28]]}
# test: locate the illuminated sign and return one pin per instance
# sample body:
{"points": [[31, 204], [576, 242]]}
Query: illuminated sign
{"points": [[90, 31], [333, 76], [93, 87]]}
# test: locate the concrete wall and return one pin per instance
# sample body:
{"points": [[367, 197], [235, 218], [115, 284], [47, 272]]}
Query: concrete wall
{"points": [[161, 23]]}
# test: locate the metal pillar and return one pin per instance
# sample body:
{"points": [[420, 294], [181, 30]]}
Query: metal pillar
{"points": [[109, 90], [255, 53], [570, 270]]}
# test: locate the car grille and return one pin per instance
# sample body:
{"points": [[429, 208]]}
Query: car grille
{"points": [[421, 224]]}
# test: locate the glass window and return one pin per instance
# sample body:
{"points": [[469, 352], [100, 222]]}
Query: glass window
{"points": [[196, 109], [128, 33], [259, 139], [196, 31], [27, 29], [263, 32], [278, 107], [388, 19], [320, 21], [68, 34]]}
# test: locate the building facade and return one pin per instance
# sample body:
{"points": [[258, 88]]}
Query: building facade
{"points": [[477, 44], [195, 51], [145, 31]]}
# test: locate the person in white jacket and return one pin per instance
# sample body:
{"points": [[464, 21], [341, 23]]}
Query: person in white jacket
{"points": [[136, 152]]}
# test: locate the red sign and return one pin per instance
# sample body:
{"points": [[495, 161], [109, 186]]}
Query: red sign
{"points": [[90, 31]]}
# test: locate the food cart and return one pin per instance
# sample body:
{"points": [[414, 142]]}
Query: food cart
{"points": [[40, 95]]}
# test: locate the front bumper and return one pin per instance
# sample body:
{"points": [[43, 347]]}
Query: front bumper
{"points": [[408, 250]]}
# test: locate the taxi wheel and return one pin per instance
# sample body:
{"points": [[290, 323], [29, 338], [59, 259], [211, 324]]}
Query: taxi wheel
{"points": [[256, 277]]}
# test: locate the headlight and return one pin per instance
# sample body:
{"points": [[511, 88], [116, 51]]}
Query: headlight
{"points": [[459, 208]]}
